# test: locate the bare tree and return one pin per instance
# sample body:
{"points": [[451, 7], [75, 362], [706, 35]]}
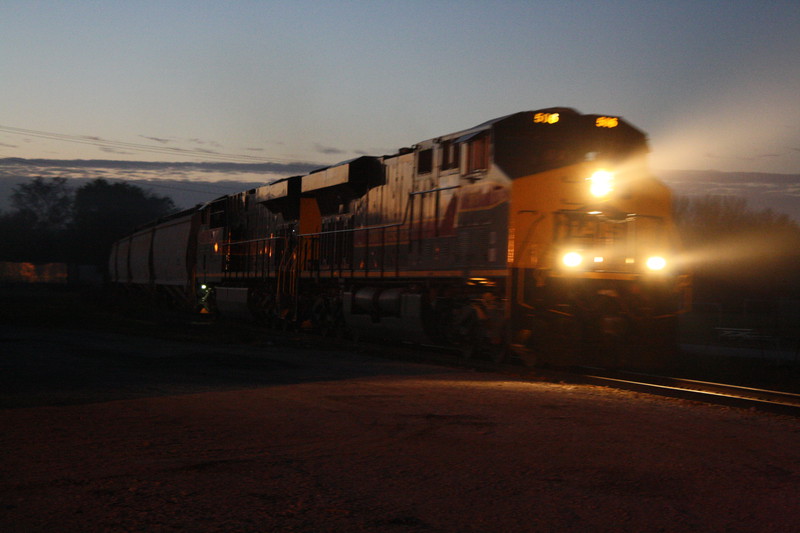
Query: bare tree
{"points": [[738, 252], [104, 212], [49, 222], [35, 228], [44, 203]]}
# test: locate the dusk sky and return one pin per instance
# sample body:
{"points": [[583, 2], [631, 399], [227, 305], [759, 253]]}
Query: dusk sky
{"points": [[715, 84]]}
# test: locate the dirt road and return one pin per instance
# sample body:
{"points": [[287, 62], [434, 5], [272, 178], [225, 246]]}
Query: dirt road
{"points": [[110, 432]]}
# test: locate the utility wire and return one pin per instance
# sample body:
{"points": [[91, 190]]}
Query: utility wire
{"points": [[148, 183], [195, 153], [108, 144]]}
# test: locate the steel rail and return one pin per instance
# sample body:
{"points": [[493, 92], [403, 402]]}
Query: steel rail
{"points": [[772, 401], [778, 402], [702, 391]]}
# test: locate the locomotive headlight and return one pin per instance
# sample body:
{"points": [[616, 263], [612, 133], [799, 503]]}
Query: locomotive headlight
{"points": [[572, 259], [601, 183], [656, 263]]}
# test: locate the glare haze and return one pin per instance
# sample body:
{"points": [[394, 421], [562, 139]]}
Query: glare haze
{"points": [[714, 84]]}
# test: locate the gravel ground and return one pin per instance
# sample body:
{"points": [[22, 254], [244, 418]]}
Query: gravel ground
{"points": [[113, 432]]}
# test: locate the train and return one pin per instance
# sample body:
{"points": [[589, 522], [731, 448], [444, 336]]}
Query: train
{"points": [[540, 235]]}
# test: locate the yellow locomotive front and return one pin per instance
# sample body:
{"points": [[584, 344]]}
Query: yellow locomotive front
{"points": [[593, 253]]}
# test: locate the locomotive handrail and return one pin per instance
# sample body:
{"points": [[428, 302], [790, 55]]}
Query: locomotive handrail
{"points": [[230, 243], [435, 190], [348, 230], [392, 225], [628, 216]]}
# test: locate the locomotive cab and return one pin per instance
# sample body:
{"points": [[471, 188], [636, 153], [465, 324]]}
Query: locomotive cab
{"points": [[594, 256]]}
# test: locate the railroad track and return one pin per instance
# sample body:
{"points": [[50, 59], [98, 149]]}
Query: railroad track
{"points": [[717, 393], [700, 391], [772, 401]]}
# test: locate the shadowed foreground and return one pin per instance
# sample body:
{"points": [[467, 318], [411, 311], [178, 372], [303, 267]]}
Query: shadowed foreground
{"points": [[113, 432]]}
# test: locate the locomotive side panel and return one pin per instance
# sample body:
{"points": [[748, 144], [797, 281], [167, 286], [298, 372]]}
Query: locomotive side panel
{"points": [[482, 228]]}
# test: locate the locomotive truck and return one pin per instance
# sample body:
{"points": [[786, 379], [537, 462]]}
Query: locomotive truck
{"points": [[540, 233]]}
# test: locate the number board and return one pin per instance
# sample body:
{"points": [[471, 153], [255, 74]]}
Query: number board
{"points": [[607, 122]]}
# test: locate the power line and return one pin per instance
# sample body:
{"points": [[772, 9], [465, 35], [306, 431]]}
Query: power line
{"points": [[212, 189], [109, 144], [139, 183], [195, 153]]}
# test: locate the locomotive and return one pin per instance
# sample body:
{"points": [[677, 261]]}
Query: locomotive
{"points": [[540, 233]]}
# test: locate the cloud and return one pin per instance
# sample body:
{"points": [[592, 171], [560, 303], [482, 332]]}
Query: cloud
{"points": [[201, 142], [710, 155], [736, 123], [208, 180], [328, 150], [109, 150], [8, 145], [779, 192], [156, 139], [187, 183], [288, 169]]}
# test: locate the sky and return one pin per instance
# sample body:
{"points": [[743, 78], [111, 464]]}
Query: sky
{"points": [[715, 84]]}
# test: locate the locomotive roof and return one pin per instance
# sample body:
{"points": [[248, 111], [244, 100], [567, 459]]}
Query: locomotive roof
{"points": [[457, 136], [469, 133], [489, 123], [340, 163]]}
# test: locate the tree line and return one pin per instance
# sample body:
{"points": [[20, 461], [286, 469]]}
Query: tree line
{"points": [[734, 251], [51, 222]]}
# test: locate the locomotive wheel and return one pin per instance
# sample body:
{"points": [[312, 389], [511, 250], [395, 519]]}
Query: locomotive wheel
{"points": [[497, 352], [261, 304], [466, 327], [559, 341], [474, 339], [319, 315], [327, 317]]}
